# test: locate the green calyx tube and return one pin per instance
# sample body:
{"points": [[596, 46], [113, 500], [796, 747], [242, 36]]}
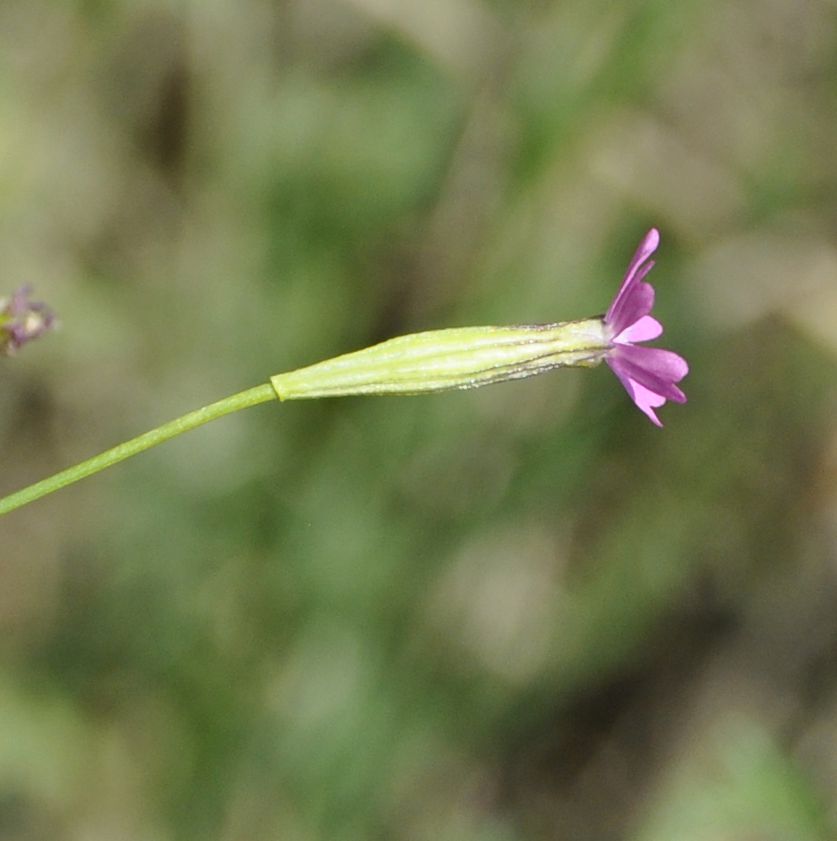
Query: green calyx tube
{"points": [[456, 358]]}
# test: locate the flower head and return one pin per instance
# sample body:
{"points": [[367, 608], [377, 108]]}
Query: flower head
{"points": [[649, 374], [22, 319]]}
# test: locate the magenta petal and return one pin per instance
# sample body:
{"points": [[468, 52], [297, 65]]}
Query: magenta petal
{"points": [[645, 399], [655, 368], [658, 361], [650, 243], [643, 330], [646, 248], [638, 303]]}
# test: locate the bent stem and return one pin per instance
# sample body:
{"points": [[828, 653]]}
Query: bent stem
{"points": [[242, 400]]}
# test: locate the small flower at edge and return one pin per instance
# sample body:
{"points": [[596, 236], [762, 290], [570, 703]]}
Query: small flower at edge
{"points": [[649, 374], [22, 319]]}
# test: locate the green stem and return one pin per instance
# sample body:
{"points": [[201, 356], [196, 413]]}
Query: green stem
{"points": [[242, 400], [436, 360]]}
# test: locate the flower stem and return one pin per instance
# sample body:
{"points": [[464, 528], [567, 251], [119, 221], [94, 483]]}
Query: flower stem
{"points": [[420, 363], [242, 400]]}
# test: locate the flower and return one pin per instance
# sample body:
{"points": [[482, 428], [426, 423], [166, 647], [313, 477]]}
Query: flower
{"points": [[649, 374], [22, 319]]}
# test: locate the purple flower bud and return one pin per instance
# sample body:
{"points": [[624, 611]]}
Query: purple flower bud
{"points": [[22, 319]]}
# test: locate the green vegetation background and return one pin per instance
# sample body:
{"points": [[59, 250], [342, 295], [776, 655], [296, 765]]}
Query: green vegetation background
{"points": [[518, 613]]}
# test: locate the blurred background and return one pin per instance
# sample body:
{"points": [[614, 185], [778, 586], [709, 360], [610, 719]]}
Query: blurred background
{"points": [[516, 613]]}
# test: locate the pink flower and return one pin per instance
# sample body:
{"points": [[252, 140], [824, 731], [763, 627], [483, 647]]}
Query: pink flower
{"points": [[22, 319], [649, 374]]}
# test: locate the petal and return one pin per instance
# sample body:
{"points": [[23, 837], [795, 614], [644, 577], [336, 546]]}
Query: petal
{"points": [[650, 243], [642, 330], [655, 368], [645, 399], [637, 301], [663, 363], [646, 248]]}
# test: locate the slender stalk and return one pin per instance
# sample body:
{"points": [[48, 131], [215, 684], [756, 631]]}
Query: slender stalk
{"points": [[242, 400]]}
